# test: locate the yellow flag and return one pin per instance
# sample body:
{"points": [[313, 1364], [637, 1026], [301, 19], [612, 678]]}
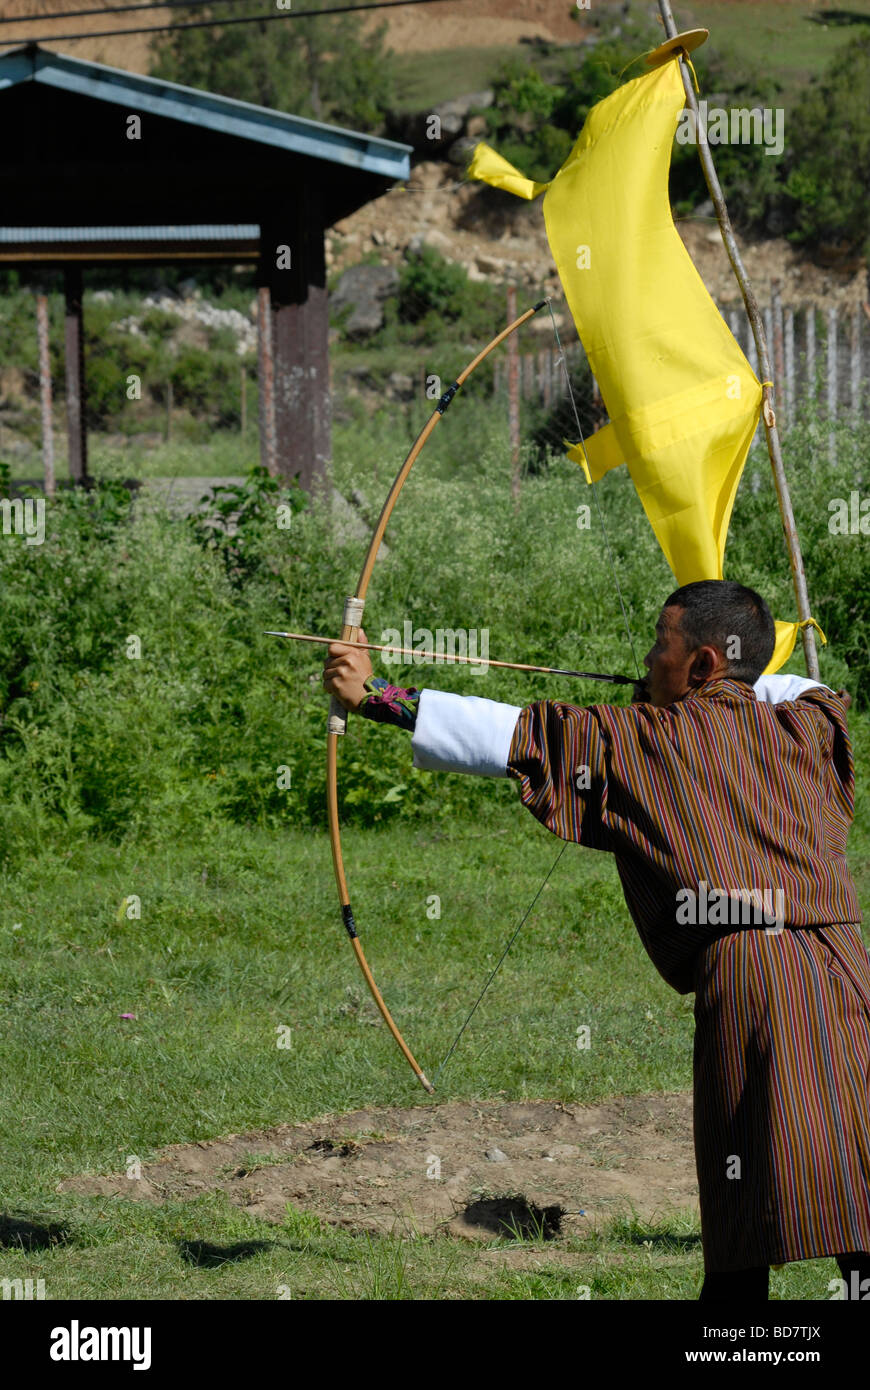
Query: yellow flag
{"points": [[682, 399]]}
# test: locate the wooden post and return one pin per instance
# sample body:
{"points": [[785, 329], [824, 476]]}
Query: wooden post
{"points": [[293, 267], [773, 445], [243, 400], [833, 384], [42, 341], [734, 324], [855, 359], [74, 348], [513, 371], [751, 349], [778, 334], [528, 375], [811, 352], [266, 374]]}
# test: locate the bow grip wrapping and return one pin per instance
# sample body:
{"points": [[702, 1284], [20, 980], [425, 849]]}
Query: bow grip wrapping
{"points": [[353, 615]]}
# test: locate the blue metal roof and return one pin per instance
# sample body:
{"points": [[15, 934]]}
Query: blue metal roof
{"points": [[207, 110], [246, 231]]}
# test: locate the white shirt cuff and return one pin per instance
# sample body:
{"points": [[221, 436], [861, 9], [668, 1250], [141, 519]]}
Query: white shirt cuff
{"points": [[463, 733], [776, 690]]}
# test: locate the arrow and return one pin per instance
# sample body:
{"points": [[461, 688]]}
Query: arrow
{"points": [[465, 660]]}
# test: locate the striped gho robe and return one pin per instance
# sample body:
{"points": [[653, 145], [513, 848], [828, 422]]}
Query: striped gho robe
{"points": [[717, 794]]}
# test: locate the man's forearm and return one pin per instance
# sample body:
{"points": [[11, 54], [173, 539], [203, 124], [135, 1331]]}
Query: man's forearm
{"points": [[451, 733], [464, 733]]}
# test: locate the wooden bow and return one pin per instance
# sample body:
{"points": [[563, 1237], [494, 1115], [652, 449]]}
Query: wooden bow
{"points": [[352, 621]]}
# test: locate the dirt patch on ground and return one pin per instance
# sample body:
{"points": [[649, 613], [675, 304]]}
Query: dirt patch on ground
{"points": [[478, 1171]]}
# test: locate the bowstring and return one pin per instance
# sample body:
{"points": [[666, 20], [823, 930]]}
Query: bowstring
{"points": [[498, 963], [560, 360]]}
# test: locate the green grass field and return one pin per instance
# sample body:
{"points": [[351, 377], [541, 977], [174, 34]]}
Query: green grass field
{"points": [[783, 37]]}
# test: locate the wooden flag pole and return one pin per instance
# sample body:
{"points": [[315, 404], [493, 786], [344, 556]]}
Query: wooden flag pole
{"points": [[757, 324]]}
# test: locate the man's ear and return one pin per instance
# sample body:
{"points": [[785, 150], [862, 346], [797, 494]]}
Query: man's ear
{"points": [[705, 663]]}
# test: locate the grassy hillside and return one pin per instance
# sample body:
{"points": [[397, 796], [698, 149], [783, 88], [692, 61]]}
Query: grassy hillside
{"points": [[788, 40]]}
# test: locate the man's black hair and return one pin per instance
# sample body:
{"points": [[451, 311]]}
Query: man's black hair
{"points": [[718, 611]]}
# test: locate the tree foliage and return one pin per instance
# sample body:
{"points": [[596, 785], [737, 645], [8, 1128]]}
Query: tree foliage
{"points": [[828, 186], [817, 189], [325, 69]]}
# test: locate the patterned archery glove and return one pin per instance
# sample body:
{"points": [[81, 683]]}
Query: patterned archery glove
{"points": [[390, 704]]}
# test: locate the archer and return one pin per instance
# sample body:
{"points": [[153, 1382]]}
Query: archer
{"points": [[714, 775]]}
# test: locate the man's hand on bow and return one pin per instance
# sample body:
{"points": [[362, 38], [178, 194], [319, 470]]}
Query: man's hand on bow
{"points": [[345, 672]]}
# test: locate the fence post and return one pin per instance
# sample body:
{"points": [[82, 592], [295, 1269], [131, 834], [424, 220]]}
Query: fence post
{"points": [[734, 324], [855, 359], [266, 364], [768, 323], [832, 381], [811, 351], [752, 350], [789, 366], [528, 375], [45, 392]]}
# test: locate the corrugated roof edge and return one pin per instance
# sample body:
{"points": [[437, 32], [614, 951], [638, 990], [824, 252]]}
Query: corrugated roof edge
{"points": [[186, 232], [368, 153]]}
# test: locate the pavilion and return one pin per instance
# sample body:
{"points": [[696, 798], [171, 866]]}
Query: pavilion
{"points": [[100, 167]]}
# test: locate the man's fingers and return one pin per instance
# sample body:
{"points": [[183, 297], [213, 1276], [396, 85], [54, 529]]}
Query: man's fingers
{"points": [[346, 668], [341, 648]]}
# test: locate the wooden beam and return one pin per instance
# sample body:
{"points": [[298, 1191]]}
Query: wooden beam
{"points": [[95, 256]]}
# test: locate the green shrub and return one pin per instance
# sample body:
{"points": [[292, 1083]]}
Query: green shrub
{"points": [[828, 186], [96, 740], [427, 283]]}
